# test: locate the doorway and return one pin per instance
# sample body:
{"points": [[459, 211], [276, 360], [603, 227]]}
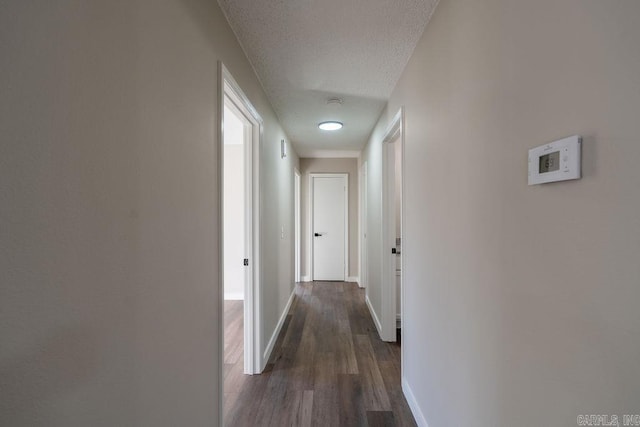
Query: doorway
{"points": [[393, 232], [297, 224], [239, 231], [236, 238], [329, 226], [364, 227], [239, 250]]}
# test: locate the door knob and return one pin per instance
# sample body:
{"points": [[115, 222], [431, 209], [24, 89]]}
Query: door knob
{"points": [[317, 234]]}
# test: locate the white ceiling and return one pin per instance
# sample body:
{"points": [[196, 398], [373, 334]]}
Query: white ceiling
{"points": [[307, 51]]}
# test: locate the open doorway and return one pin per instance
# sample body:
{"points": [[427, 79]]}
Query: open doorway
{"points": [[297, 224], [236, 143], [364, 226], [240, 231], [395, 148], [393, 153]]}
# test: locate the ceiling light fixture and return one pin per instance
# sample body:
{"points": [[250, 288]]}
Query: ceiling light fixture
{"points": [[330, 125]]}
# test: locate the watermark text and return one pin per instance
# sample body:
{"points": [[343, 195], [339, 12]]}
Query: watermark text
{"points": [[609, 420]]}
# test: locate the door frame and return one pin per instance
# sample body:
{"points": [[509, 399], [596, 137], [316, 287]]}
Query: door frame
{"points": [[297, 188], [363, 224], [247, 211], [228, 87], [345, 176], [393, 135]]}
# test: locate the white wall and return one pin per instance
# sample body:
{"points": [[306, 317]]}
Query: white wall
{"points": [[330, 165], [521, 302], [372, 155], [109, 211], [234, 206]]}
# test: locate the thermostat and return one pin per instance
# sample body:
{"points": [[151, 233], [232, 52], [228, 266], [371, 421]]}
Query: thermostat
{"points": [[557, 161]]}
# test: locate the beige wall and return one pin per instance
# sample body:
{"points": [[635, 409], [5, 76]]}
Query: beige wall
{"points": [[521, 302], [109, 209], [315, 165]]}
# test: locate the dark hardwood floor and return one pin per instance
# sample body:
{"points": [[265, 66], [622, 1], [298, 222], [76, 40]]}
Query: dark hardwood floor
{"points": [[233, 351], [328, 367]]}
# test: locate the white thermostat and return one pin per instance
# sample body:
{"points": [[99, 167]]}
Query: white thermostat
{"points": [[557, 161]]}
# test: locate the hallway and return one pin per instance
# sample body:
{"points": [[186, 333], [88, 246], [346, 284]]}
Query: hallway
{"points": [[328, 368]]}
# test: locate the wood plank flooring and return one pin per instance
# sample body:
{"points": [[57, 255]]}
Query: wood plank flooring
{"points": [[328, 367], [233, 351]]}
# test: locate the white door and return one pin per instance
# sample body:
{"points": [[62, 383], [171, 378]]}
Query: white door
{"points": [[329, 226]]}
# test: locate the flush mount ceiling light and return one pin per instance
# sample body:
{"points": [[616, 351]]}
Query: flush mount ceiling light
{"points": [[330, 125]]}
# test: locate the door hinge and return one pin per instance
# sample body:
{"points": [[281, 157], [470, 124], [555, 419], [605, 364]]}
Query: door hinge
{"points": [[246, 261]]}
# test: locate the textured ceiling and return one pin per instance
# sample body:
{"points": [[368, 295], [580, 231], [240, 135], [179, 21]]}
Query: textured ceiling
{"points": [[307, 51]]}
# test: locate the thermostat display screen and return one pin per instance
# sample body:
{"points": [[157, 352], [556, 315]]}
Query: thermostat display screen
{"points": [[555, 161], [549, 162]]}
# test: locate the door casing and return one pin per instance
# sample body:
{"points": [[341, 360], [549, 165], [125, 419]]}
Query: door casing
{"points": [[297, 178], [364, 249], [253, 363], [393, 135]]}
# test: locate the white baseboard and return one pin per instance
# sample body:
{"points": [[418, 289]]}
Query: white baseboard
{"points": [[306, 279], [355, 279], [234, 296], [274, 336], [413, 405], [374, 315]]}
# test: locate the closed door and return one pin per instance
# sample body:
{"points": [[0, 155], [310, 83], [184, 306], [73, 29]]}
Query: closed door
{"points": [[329, 227]]}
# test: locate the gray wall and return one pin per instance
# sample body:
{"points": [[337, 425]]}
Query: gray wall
{"points": [[335, 165], [108, 211], [520, 302]]}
